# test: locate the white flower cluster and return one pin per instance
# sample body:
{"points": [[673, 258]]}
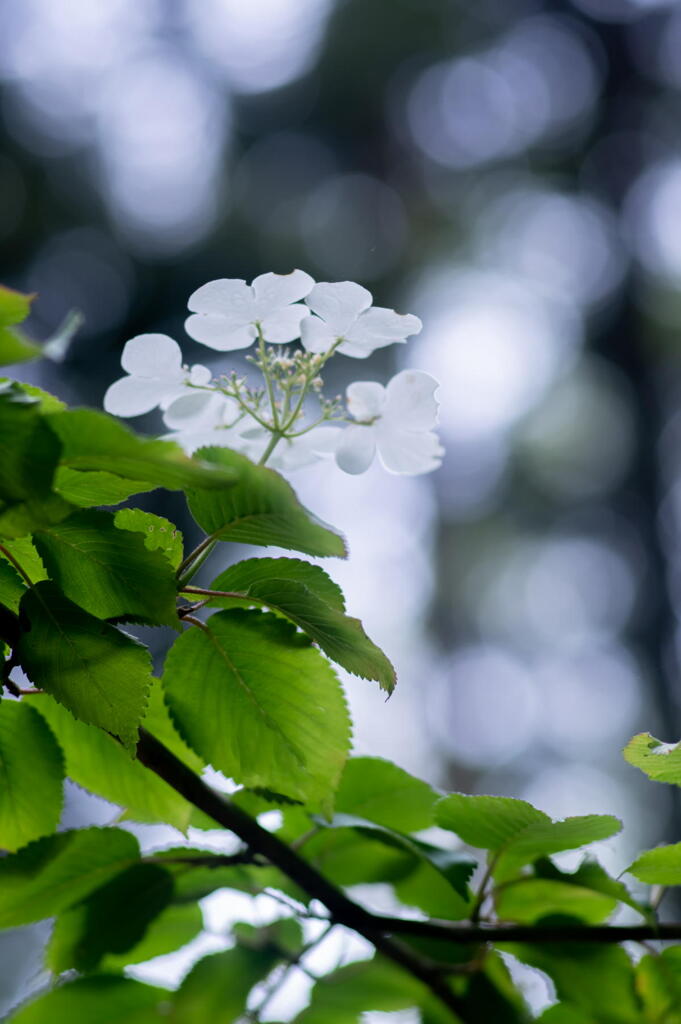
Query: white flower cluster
{"points": [[269, 424]]}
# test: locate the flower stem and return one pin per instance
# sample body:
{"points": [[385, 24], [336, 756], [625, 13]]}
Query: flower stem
{"points": [[272, 444]]}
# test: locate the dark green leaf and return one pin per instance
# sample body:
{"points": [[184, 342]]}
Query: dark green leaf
{"points": [[262, 509], [12, 586], [103, 999], [176, 926], [28, 463], [20, 518], [109, 572], [52, 874], [94, 441], [31, 776], [159, 533], [217, 987], [279, 584], [343, 996], [98, 763], [97, 672], [254, 699], [112, 919]]}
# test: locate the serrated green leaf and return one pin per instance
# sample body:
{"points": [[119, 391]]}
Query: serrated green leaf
{"points": [[29, 456], [661, 866], [254, 699], [198, 873], [111, 919], [380, 791], [48, 402], [261, 509], [31, 776], [23, 550], [14, 306], [276, 585], [515, 831], [217, 987], [343, 996], [98, 763], [590, 875], [159, 534], [86, 489], [174, 928], [102, 999], [99, 673], [12, 586], [51, 874], [660, 761], [95, 441], [14, 346], [109, 572]]}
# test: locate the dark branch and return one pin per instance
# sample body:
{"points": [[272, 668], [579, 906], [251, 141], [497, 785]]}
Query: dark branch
{"points": [[152, 753]]}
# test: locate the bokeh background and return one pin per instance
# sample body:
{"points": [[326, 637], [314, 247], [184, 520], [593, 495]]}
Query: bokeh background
{"points": [[510, 171]]}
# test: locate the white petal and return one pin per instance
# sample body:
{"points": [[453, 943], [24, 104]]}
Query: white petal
{"points": [[294, 454], [200, 374], [226, 297], [132, 396], [323, 440], [275, 290], [409, 452], [365, 399], [191, 440], [315, 335], [339, 303], [284, 324], [152, 355], [356, 449], [216, 332], [192, 410], [410, 400], [379, 327]]}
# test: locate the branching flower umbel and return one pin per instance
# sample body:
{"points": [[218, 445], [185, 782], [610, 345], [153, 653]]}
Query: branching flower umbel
{"points": [[286, 421]]}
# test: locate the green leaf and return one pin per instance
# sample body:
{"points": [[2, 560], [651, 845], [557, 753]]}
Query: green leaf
{"points": [[596, 979], [86, 489], [99, 673], [31, 776], [526, 900], [217, 987], [658, 984], [51, 874], [112, 919], [515, 831], [12, 586], [23, 517], [108, 571], [98, 763], [591, 875], [28, 463], [278, 584], [103, 999], [561, 1013], [159, 533], [175, 927], [262, 509], [380, 791], [94, 441], [343, 996], [253, 698], [14, 346], [661, 866], [660, 761], [453, 865], [26, 555], [198, 873]]}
